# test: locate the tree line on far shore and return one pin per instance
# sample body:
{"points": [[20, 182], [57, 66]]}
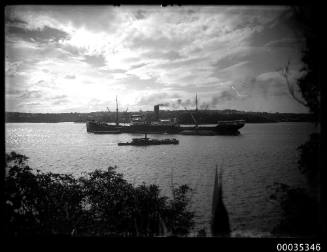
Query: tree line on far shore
{"points": [[183, 117]]}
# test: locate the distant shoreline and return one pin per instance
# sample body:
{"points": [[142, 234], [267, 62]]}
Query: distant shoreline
{"points": [[183, 117], [181, 124]]}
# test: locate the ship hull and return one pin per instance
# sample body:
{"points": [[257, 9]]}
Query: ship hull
{"points": [[223, 128], [102, 128]]}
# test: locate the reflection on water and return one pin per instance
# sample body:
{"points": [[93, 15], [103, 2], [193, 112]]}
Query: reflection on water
{"points": [[261, 155]]}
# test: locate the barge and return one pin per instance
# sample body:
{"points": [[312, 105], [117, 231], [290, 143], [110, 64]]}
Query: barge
{"points": [[144, 141]]}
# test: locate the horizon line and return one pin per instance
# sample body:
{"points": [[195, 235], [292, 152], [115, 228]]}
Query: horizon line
{"points": [[190, 110]]}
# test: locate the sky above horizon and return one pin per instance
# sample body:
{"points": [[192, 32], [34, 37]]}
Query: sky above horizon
{"points": [[79, 58]]}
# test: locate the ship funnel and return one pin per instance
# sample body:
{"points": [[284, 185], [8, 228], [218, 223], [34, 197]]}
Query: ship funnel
{"points": [[156, 112]]}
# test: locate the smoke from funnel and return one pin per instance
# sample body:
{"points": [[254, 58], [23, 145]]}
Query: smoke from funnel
{"points": [[163, 104]]}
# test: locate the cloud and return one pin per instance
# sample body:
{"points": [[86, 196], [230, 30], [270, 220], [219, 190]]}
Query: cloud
{"points": [[232, 58], [32, 94], [138, 65], [14, 85], [10, 20], [95, 60], [44, 35], [14, 91], [71, 77], [182, 63], [226, 95], [159, 42], [166, 55], [266, 85], [59, 99], [97, 18], [269, 76], [279, 27], [157, 98], [285, 42], [145, 55], [232, 67], [33, 103], [182, 103], [13, 68], [140, 14], [237, 93]]}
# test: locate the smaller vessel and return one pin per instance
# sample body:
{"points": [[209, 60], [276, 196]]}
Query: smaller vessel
{"points": [[144, 141]]}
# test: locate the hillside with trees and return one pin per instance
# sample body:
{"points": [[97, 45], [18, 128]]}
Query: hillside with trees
{"points": [[183, 117]]}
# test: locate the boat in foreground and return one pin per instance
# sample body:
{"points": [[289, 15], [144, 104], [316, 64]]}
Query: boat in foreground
{"points": [[144, 141]]}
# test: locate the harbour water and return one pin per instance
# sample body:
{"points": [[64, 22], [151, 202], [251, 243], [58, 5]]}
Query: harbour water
{"points": [[261, 155]]}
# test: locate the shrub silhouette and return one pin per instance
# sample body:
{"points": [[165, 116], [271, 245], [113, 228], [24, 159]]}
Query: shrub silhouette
{"points": [[301, 208], [102, 203]]}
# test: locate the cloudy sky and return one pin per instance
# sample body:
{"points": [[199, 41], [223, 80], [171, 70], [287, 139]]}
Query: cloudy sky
{"points": [[78, 58]]}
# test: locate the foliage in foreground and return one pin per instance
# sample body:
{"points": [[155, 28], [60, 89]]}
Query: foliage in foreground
{"points": [[302, 208], [301, 213], [102, 203]]}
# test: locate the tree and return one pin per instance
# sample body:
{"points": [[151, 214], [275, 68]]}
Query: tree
{"points": [[102, 203], [302, 215]]}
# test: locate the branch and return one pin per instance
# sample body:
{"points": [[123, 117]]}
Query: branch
{"points": [[284, 72]]}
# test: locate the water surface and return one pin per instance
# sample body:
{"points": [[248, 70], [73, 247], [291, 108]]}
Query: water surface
{"points": [[261, 155]]}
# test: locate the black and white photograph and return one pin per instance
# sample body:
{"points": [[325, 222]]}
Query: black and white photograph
{"points": [[194, 121]]}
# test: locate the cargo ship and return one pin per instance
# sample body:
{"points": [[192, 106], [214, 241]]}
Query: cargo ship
{"points": [[138, 124]]}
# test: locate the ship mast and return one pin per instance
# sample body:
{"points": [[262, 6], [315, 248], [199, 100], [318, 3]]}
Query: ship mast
{"points": [[196, 102], [117, 122], [196, 109]]}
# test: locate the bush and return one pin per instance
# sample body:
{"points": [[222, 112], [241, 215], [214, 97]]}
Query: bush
{"points": [[301, 214], [102, 203], [309, 162]]}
